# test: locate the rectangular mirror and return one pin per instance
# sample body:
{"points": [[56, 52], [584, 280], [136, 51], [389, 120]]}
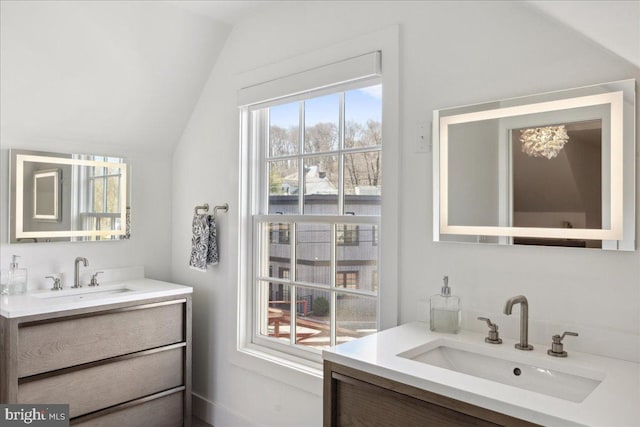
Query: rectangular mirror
{"points": [[46, 195], [552, 169], [67, 197]]}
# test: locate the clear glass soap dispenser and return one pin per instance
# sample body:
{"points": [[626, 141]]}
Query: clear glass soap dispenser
{"points": [[14, 280], [445, 310]]}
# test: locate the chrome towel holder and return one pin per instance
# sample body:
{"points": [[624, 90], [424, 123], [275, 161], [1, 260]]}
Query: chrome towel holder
{"points": [[205, 208]]}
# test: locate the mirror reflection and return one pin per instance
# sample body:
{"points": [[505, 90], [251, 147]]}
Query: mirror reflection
{"points": [[552, 169], [63, 197]]}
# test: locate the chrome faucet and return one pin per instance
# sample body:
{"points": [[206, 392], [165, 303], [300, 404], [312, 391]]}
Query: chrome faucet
{"points": [[524, 320], [76, 277]]}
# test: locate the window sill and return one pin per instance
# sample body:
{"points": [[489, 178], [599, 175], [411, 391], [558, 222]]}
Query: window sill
{"points": [[290, 370]]}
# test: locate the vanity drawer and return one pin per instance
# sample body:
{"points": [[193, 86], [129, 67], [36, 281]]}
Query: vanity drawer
{"points": [[55, 344], [165, 411], [99, 386]]}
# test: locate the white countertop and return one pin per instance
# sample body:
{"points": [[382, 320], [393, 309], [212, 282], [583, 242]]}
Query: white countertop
{"points": [[614, 402], [40, 302]]}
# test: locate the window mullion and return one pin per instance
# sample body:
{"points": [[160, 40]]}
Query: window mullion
{"points": [[301, 159], [263, 168], [293, 242], [334, 300], [341, 126]]}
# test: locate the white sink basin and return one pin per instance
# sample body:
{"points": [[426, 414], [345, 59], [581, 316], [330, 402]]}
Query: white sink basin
{"points": [[506, 368], [86, 293]]}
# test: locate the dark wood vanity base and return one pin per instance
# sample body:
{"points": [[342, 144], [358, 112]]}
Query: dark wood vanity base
{"points": [[357, 398]]}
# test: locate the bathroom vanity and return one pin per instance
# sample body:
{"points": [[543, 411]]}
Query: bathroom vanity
{"points": [[118, 354], [411, 376]]}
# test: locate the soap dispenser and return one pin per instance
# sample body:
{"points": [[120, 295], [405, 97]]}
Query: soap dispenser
{"points": [[14, 280], [445, 310]]}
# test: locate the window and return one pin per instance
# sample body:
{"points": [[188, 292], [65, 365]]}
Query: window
{"points": [[316, 180], [318, 183], [103, 204], [279, 233], [348, 235], [347, 279]]}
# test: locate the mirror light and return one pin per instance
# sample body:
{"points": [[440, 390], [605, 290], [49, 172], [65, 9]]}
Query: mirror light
{"points": [[612, 102]]}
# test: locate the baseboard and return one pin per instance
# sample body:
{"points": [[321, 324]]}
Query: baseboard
{"points": [[216, 414]]}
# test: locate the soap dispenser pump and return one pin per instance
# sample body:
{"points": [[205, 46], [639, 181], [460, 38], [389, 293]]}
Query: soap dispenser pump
{"points": [[14, 280], [445, 310]]}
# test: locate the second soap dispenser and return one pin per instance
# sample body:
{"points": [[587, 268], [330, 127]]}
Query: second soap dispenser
{"points": [[445, 310]]}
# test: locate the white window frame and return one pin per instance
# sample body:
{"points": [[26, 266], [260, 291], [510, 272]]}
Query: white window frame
{"points": [[258, 128], [278, 365]]}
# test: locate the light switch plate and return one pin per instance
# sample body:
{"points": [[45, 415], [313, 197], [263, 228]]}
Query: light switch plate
{"points": [[423, 141]]}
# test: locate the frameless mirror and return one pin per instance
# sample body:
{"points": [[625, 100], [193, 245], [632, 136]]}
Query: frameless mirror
{"points": [[67, 197], [552, 169]]}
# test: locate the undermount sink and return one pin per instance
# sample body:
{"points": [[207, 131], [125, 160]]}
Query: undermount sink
{"points": [[86, 293], [507, 369]]}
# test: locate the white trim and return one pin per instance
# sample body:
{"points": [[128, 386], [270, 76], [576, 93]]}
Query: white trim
{"points": [[257, 358], [357, 68], [217, 414]]}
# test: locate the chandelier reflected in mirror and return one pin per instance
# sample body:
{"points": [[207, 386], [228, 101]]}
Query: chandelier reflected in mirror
{"points": [[544, 141]]}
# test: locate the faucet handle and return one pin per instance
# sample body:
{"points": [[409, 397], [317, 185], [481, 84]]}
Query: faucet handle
{"points": [[494, 336], [556, 349], [94, 279], [57, 285]]}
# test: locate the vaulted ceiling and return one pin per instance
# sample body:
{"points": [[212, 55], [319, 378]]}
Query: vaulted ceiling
{"points": [[102, 72], [130, 73]]}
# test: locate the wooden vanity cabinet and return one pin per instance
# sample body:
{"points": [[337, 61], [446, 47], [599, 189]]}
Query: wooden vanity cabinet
{"points": [[126, 364], [356, 398]]}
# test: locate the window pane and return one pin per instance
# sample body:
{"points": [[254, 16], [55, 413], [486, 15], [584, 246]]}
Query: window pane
{"points": [[321, 118], [356, 263], [113, 194], [105, 223], [356, 316], [363, 117], [313, 250], [275, 310], [312, 317], [321, 185], [278, 251], [363, 183], [284, 129], [98, 195], [283, 187]]}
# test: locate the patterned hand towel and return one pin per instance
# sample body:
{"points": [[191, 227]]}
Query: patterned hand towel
{"points": [[212, 248], [199, 242]]}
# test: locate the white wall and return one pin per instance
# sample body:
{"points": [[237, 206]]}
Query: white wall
{"points": [[451, 54], [101, 77]]}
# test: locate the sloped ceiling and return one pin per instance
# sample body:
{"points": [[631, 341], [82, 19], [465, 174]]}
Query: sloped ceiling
{"points": [[116, 73], [614, 25], [227, 11], [130, 73]]}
